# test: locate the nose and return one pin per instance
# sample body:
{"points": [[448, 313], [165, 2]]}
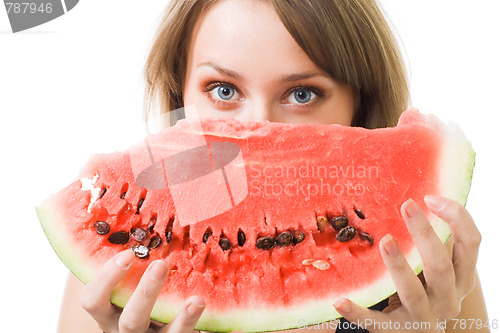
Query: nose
{"points": [[259, 110]]}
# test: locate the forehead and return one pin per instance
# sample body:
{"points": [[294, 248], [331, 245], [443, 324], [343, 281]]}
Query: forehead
{"points": [[246, 35]]}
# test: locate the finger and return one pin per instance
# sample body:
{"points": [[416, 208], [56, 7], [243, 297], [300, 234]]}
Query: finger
{"points": [[96, 294], [135, 315], [360, 316], [157, 326], [438, 268], [410, 290], [394, 304], [188, 316], [466, 235]]}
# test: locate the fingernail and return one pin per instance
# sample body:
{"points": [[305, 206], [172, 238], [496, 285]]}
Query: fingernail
{"points": [[125, 259], [342, 305], [389, 245], [437, 204], [196, 306], [159, 270], [410, 208]]}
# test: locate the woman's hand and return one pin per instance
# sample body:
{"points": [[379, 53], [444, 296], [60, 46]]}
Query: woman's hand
{"points": [[135, 316], [448, 280]]}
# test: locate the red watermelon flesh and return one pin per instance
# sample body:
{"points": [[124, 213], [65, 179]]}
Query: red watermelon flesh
{"points": [[212, 194]]}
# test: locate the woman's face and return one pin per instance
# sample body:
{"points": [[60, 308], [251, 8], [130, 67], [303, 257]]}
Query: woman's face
{"points": [[243, 63]]}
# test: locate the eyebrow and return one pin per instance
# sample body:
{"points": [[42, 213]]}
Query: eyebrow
{"points": [[283, 79], [221, 70]]}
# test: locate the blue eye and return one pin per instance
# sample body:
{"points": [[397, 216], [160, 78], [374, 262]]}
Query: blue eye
{"points": [[222, 93], [301, 96], [225, 92]]}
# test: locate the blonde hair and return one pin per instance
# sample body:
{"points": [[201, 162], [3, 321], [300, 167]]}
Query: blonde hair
{"points": [[349, 39]]}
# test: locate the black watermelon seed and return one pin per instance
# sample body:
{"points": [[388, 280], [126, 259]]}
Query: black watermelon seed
{"points": [[298, 237], [103, 191], [168, 230], [138, 234], [119, 237], [241, 238], [346, 234], [339, 222], [139, 205], [284, 239], [170, 222], [140, 251], [102, 228], [154, 242], [224, 243], [359, 213], [168, 235], [206, 235], [265, 243], [123, 195], [366, 237]]}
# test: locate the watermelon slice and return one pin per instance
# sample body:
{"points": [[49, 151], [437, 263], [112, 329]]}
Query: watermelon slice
{"points": [[270, 223]]}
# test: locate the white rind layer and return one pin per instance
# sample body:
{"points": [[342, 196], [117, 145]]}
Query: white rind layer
{"points": [[457, 165], [455, 169]]}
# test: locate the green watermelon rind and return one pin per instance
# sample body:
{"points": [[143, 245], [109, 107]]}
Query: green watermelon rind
{"points": [[455, 184], [60, 243]]}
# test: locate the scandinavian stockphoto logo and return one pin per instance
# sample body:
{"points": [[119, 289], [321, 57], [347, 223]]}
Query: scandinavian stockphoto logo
{"points": [[212, 172], [308, 180], [28, 14]]}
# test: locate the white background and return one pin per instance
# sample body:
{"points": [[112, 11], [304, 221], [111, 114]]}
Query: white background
{"points": [[72, 87]]}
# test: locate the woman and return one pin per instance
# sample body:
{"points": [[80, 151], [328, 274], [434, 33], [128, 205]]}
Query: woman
{"points": [[331, 62]]}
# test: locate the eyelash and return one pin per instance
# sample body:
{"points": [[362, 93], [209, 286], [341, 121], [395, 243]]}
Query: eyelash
{"points": [[212, 85], [207, 91], [318, 92]]}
